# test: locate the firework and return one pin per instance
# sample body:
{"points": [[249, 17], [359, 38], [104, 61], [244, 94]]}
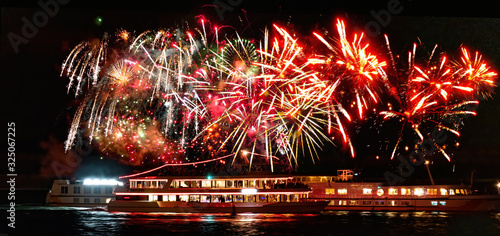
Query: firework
{"points": [[172, 96], [354, 67], [432, 97]]}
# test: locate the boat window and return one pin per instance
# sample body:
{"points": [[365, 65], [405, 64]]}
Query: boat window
{"points": [[431, 191], [261, 198], [462, 191], [108, 190], [194, 198], [220, 183], [452, 192], [249, 198], [205, 198], [342, 202], [76, 200], [353, 203], [184, 184], [434, 203], [174, 184], [238, 198], [392, 203], [443, 191], [217, 198], [86, 190], [329, 191], [154, 184], [285, 198], [133, 184], [76, 189], [169, 198], [183, 198], [272, 198], [97, 190], [229, 198], [229, 184], [342, 191], [64, 189], [418, 191], [379, 203], [367, 191], [405, 191], [457, 191], [251, 183], [405, 203], [206, 184], [294, 197], [380, 192], [367, 203], [162, 184], [240, 184], [442, 203], [393, 191]]}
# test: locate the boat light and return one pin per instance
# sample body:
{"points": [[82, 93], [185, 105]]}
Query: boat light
{"points": [[498, 185], [102, 182], [249, 191]]}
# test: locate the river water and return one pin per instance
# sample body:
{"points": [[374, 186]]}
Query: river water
{"points": [[44, 220]]}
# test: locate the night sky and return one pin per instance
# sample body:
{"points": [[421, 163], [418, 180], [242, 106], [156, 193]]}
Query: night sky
{"points": [[34, 95]]}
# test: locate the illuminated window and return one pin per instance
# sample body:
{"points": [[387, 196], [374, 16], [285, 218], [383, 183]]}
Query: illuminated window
{"points": [[220, 183], [442, 203], [380, 192], [457, 191], [342, 202], [206, 184], [392, 203], [238, 198], [452, 192], [183, 198], [194, 198], [353, 203], [342, 191], [431, 191], [379, 203], [367, 203], [418, 191], [205, 198], [405, 191], [443, 192], [330, 191], [434, 203], [393, 191], [367, 191], [462, 191]]}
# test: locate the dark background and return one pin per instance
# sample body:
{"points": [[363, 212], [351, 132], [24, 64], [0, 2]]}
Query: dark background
{"points": [[34, 95]]}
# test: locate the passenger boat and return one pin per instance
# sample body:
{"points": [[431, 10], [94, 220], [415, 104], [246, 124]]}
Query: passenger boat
{"points": [[82, 193], [216, 194], [344, 194]]}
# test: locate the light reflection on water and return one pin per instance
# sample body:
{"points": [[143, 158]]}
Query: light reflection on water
{"points": [[71, 221]]}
